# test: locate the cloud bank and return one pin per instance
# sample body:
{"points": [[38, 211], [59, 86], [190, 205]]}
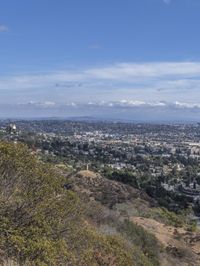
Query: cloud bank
{"points": [[163, 85], [124, 104], [130, 73]]}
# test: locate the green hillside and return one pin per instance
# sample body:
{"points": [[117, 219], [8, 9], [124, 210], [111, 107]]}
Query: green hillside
{"points": [[43, 223]]}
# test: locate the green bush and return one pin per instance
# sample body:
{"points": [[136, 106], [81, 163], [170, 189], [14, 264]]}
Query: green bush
{"points": [[42, 224]]}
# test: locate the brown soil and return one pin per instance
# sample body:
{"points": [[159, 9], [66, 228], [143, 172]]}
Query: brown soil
{"points": [[181, 246]]}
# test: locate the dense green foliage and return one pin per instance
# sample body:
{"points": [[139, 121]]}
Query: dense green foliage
{"points": [[35, 211], [41, 222], [124, 176]]}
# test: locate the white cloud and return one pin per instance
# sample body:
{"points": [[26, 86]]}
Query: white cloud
{"points": [[150, 81], [45, 104], [187, 105], [123, 72], [144, 104], [167, 1], [3, 28], [130, 71], [121, 105]]}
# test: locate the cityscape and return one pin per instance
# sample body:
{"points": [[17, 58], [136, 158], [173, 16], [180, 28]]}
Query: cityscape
{"points": [[100, 133], [151, 157]]}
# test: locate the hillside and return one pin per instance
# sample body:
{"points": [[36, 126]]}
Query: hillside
{"points": [[121, 204], [51, 217]]}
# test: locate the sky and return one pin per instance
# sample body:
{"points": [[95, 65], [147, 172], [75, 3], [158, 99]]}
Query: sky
{"points": [[111, 59]]}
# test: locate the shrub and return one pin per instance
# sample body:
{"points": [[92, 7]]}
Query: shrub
{"points": [[42, 223], [143, 240]]}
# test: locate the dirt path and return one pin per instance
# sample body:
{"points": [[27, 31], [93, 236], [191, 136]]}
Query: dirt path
{"points": [[182, 247]]}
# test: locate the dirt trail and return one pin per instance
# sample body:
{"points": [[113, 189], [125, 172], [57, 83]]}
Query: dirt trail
{"points": [[182, 246]]}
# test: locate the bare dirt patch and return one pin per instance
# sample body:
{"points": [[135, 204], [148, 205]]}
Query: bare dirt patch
{"points": [[180, 246]]}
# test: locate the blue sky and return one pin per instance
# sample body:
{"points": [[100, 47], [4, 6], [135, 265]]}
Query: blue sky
{"points": [[127, 59]]}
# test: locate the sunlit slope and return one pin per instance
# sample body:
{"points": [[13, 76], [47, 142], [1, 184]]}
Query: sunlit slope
{"points": [[42, 223]]}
